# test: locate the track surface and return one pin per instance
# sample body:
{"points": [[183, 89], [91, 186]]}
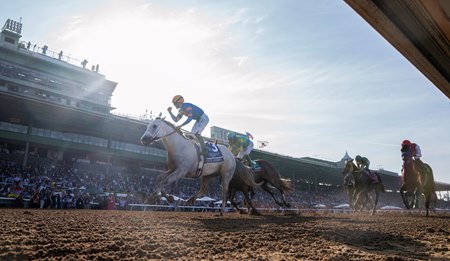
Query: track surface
{"points": [[27, 234]]}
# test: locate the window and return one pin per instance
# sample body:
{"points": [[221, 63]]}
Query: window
{"points": [[10, 40]]}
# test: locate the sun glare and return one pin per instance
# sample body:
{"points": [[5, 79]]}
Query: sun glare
{"points": [[145, 47]]}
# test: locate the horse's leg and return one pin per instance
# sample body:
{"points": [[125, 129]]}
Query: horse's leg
{"points": [[265, 187], [231, 196], [354, 196], [350, 197], [365, 200], [428, 195], [251, 209], [251, 192], [369, 202], [204, 180], [226, 172], [377, 194], [161, 177], [358, 203], [404, 197], [417, 194], [170, 198], [283, 198]]}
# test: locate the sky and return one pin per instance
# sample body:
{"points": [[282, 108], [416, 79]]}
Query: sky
{"points": [[310, 77]]}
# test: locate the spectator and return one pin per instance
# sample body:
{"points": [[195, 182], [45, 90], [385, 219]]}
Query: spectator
{"points": [[84, 63], [44, 49]]}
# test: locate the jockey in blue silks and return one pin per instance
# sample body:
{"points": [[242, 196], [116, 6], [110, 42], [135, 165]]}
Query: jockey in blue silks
{"points": [[192, 112]]}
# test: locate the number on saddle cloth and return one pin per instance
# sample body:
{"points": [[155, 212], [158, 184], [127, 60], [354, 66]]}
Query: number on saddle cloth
{"points": [[213, 154]]}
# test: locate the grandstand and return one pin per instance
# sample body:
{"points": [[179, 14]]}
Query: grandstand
{"points": [[57, 112]]}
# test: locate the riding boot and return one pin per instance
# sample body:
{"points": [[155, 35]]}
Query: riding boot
{"points": [[248, 160], [202, 145]]}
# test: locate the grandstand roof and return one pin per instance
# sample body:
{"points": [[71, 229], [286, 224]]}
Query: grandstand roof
{"points": [[418, 29]]}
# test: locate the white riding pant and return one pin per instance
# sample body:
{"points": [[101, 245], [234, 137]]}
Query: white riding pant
{"points": [[200, 125], [247, 151]]}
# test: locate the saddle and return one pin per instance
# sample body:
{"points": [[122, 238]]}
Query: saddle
{"points": [[209, 153], [373, 176]]}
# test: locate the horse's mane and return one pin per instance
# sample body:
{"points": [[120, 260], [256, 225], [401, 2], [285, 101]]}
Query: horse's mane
{"points": [[353, 165], [170, 124]]}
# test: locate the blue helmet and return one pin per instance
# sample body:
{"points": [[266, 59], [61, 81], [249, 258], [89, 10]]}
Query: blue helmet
{"points": [[231, 135], [358, 158]]}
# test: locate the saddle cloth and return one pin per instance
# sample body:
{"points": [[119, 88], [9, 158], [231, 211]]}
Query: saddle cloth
{"points": [[373, 177], [213, 153]]}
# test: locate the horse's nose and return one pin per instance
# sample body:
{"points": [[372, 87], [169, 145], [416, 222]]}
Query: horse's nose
{"points": [[145, 139]]}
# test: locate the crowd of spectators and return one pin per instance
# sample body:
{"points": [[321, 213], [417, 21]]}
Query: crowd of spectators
{"points": [[83, 184]]}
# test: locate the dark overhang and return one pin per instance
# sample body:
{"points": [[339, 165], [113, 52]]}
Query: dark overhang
{"points": [[418, 29]]}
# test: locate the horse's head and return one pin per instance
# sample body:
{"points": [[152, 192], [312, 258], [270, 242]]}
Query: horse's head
{"points": [[349, 167], [156, 129]]}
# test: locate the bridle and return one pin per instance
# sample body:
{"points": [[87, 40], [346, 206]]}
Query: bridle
{"points": [[155, 134]]}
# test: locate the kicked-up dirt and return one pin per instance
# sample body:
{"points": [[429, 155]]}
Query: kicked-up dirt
{"points": [[28, 234]]}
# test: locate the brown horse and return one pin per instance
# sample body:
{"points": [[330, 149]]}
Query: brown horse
{"points": [[266, 175], [416, 181], [362, 186], [349, 186], [243, 178], [238, 183], [270, 177]]}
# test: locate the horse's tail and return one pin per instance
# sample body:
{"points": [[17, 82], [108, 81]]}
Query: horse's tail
{"points": [[286, 185], [246, 174], [271, 175]]}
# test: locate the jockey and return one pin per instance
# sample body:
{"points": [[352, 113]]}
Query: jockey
{"points": [[363, 163], [192, 112], [241, 145], [412, 150]]}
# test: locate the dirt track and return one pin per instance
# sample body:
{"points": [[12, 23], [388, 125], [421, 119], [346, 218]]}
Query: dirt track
{"points": [[124, 235]]}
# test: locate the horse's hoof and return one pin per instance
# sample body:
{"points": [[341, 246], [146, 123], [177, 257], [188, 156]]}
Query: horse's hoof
{"points": [[152, 200], [190, 201], [170, 199], [255, 212]]}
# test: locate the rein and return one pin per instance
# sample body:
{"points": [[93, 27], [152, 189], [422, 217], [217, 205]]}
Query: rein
{"points": [[167, 135]]}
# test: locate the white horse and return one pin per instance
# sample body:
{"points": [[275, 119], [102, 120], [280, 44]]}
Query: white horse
{"points": [[183, 158]]}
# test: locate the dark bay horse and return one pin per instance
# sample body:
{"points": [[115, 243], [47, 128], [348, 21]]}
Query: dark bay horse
{"points": [[349, 186], [362, 186], [238, 183], [268, 177], [265, 177], [416, 181]]}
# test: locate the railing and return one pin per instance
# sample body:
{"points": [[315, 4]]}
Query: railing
{"points": [[34, 48]]}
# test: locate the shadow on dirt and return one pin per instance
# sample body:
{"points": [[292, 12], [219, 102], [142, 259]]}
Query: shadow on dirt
{"points": [[356, 234]]}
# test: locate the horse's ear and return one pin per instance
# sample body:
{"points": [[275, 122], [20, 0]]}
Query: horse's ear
{"points": [[160, 114], [164, 118]]}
